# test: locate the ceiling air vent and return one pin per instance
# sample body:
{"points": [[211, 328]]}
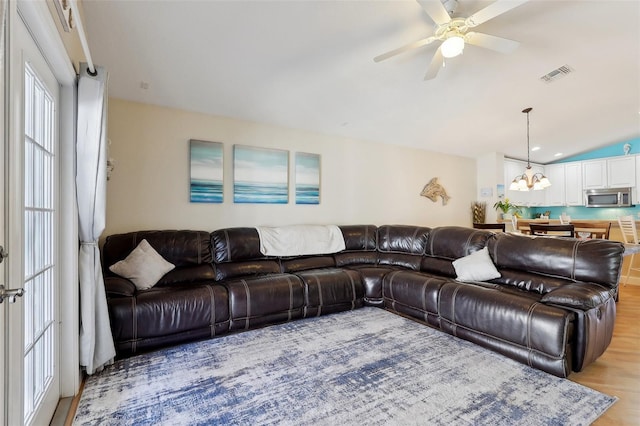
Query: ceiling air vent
{"points": [[556, 74]]}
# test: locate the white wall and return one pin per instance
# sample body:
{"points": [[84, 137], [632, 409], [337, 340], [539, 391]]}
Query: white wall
{"points": [[490, 173], [360, 182]]}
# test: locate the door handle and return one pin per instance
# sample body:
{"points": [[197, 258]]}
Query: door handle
{"points": [[3, 254], [10, 294]]}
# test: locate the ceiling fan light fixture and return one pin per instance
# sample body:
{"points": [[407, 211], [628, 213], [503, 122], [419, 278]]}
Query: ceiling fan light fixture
{"points": [[452, 46]]}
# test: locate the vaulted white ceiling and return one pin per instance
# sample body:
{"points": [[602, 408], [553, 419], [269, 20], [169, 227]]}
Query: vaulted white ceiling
{"points": [[309, 65]]}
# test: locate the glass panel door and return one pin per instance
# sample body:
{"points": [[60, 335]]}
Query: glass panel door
{"points": [[39, 240], [32, 381]]}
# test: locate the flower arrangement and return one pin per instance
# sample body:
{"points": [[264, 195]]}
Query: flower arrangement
{"points": [[506, 207]]}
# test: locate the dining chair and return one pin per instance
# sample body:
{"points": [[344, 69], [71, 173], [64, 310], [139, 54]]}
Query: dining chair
{"points": [[627, 226], [593, 230], [524, 228], [551, 230], [565, 219], [492, 226]]}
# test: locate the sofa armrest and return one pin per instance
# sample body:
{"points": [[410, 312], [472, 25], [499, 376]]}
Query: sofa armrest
{"points": [[579, 295], [119, 287]]}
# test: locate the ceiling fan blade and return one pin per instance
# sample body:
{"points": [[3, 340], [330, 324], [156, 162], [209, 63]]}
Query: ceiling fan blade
{"points": [[435, 65], [494, 9], [435, 10], [402, 49], [499, 44]]}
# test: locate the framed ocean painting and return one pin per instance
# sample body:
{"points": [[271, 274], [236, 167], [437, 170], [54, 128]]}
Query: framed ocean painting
{"points": [[260, 175], [307, 178], [206, 171]]}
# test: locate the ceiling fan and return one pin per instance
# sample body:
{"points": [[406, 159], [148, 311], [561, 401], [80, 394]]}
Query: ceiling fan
{"points": [[454, 32]]}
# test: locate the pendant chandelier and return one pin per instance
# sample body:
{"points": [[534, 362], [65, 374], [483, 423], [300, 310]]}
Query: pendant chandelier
{"points": [[529, 180]]}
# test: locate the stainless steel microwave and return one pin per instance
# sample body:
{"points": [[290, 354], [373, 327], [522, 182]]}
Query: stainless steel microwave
{"points": [[608, 197]]}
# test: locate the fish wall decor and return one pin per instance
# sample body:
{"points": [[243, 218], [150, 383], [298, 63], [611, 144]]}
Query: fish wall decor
{"points": [[433, 190]]}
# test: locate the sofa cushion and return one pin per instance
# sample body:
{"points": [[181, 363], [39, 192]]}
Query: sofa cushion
{"points": [[356, 258], [182, 248], [116, 286], [143, 266], [359, 237], [360, 245], [517, 325], [163, 312], [596, 261], [235, 245], [448, 243], [226, 271], [236, 253], [331, 290], [402, 245], [403, 239], [372, 280], [413, 293], [476, 267], [453, 242], [583, 296], [304, 263], [265, 300], [532, 282]]}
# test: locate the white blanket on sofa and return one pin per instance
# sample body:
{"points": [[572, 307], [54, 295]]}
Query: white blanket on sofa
{"points": [[299, 240]]}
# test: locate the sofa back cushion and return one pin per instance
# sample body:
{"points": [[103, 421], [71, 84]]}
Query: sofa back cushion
{"points": [[448, 243], [189, 251], [304, 263], [596, 261], [402, 245], [360, 245], [236, 253]]}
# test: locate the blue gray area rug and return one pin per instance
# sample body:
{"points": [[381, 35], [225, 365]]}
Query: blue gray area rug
{"points": [[364, 367]]}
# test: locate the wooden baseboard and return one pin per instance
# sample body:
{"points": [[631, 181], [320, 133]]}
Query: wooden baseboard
{"points": [[74, 404]]}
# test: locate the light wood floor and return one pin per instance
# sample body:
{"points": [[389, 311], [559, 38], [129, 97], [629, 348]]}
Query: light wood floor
{"points": [[617, 371]]}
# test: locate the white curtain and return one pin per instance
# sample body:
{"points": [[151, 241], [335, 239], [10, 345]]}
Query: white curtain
{"points": [[96, 341]]}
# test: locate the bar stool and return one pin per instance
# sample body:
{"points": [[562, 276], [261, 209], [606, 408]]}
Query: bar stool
{"points": [[630, 236]]}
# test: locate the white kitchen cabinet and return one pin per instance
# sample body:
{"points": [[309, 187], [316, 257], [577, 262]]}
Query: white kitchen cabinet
{"points": [[615, 172], [573, 194], [594, 174], [555, 194], [621, 172]]}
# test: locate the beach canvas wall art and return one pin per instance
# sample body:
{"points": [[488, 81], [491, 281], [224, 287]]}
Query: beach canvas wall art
{"points": [[260, 175], [307, 178], [206, 171]]}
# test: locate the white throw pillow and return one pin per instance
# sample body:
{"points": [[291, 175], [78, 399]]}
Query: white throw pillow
{"points": [[476, 267], [144, 266]]}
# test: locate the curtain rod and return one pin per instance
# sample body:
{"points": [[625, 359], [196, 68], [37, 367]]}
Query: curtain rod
{"points": [[83, 37]]}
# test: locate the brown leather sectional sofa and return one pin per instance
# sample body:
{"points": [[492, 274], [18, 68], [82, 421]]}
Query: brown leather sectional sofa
{"points": [[553, 307]]}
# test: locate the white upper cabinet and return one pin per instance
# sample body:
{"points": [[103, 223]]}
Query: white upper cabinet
{"points": [[621, 172], [554, 195], [573, 184], [615, 172], [594, 174]]}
